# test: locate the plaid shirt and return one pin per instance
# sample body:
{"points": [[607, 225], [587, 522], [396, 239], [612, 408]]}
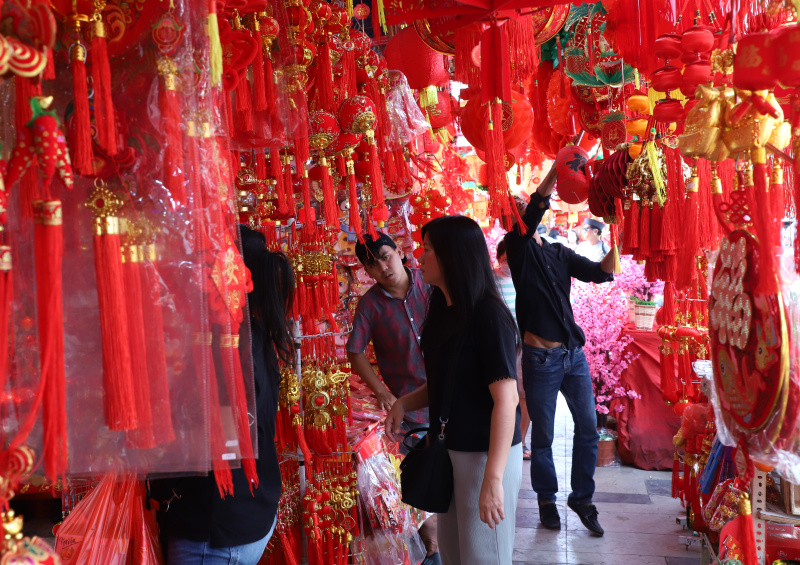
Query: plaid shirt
{"points": [[395, 327]]}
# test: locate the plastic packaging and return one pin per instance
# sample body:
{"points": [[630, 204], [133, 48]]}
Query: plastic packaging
{"points": [[407, 120]]}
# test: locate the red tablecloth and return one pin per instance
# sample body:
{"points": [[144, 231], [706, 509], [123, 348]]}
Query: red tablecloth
{"points": [[646, 425]]}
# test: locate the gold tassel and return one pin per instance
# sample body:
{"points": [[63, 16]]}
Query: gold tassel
{"points": [[214, 50], [382, 15], [428, 97], [655, 170]]}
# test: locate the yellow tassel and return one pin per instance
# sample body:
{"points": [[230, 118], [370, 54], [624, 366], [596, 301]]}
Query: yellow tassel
{"points": [[444, 135], [655, 170], [428, 97], [214, 50], [350, 9], [636, 81], [382, 16], [617, 264]]}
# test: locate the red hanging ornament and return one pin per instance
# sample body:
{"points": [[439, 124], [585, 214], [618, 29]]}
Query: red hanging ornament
{"points": [[101, 81]]}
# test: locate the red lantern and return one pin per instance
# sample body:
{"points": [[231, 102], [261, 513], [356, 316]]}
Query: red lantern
{"points": [[788, 63], [346, 140], [573, 186], [668, 111], [666, 79], [755, 63], [668, 46], [696, 73], [697, 39], [421, 65], [357, 114], [517, 121], [324, 129], [361, 41]]}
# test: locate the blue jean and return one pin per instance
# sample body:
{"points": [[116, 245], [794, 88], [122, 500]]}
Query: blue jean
{"points": [[545, 372], [187, 552]]}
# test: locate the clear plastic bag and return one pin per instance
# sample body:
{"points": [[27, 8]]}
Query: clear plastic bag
{"points": [[407, 120]]}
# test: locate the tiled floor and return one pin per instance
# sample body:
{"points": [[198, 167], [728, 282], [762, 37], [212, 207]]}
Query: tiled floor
{"points": [[635, 508]]}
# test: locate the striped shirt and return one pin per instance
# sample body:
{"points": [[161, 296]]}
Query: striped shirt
{"points": [[508, 292]]}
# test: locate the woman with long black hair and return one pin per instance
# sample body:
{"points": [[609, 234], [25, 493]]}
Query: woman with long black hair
{"points": [[470, 337], [201, 528]]}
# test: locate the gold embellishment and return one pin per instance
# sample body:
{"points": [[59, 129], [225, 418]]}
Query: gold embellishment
{"points": [[229, 340]]}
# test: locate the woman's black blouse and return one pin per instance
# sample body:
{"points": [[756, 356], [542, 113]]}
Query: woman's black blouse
{"points": [[482, 353], [201, 514]]}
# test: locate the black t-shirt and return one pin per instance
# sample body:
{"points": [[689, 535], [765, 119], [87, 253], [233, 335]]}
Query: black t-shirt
{"points": [[484, 352], [201, 514]]}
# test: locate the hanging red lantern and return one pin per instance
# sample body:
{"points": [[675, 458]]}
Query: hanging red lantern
{"points": [[668, 46], [696, 73], [666, 79], [697, 39], [517, 121], [668, 111], [323, 129], [788, 64], [573, 185], [357, 114], [754, 67], [421, 65], [346, 140]]}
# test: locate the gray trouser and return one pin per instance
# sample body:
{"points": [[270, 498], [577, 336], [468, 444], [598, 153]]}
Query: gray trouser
{"points": [[463, 538]]}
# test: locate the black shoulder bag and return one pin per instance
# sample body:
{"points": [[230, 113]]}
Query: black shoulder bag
{"points": [[426, 473]]}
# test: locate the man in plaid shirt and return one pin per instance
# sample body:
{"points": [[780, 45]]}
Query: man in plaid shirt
{"points": [[391, 314]]}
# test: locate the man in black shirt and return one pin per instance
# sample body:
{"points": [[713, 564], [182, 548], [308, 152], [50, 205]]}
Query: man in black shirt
{"points": [[553, 358]]}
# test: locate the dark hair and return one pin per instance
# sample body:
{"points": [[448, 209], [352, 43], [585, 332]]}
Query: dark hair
{"points": [[554, 233], [501, 249], [368, 250], [460, 247], [273, 290]]}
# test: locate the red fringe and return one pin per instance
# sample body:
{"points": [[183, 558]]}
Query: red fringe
{"points": [[766, 230], [355, 214], [269, 94], [380, 212], [495, 166], [156, 352], [142, 437], [708, 228], [307, 215], [259, 84], [466, 39], [644, 234], [82, 141], [329, 202], [119, 398], [243, 115], [522, 45], [6, 301], [48, 251], [49, 72], [633, 228], [173, 149], [104, 118], [748, 538], [280, 188], [689, 249], [26, 88], [348, 86], [324, 83], [261, 164]]}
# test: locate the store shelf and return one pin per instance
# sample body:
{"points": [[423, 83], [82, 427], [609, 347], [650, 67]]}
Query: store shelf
{"points": [[779, 517]]}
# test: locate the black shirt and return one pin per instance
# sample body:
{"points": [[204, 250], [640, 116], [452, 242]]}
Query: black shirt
{"points": [[542, 277], [482, 353], [201, 514]]}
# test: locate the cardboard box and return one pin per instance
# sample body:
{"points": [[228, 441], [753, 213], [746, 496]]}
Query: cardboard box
{"points": [[791, 497]]}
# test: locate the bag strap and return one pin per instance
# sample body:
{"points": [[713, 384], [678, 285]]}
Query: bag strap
{"points": [[449, 386]]}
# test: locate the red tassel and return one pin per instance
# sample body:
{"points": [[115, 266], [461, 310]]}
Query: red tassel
{"points": [[269, 94], [355, 214], [156, 351], [643, 252], [6, 302], [495, 165], [747, 531], [234, 381], [48, 250], [243, 115], [259, 83], [261, 164], [380, 212], [329, 202], [101, 81], [633, 239], [26, 88], [348, 86], [82, 142], [280, 188], [324, 83], [170, 120], [776, 189], [307, 215], [689, 247], [656, 227], [207, 382], [119, 399], [49, 72], [142, 437], [761, 208]]}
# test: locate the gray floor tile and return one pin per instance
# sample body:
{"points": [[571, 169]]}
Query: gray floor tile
{"points": [[693, 560], [659, 487], [620, 498]]}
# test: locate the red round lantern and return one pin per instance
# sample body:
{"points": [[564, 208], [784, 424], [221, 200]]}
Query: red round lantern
{"points": [[421, 65], [688, 89], [754, 67], [321, 11], [668, 46], [357, 114], [666, 79], [788, 64], [346, 141], [668, 111], [573, 186], [323, 129], [361, 41], [697, 39], [517, 121], [697, 72]]}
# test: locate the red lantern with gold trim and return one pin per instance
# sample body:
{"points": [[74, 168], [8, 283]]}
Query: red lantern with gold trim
{"points": [[323, 129], [754, 67], [517, 121], [357, 114]]}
